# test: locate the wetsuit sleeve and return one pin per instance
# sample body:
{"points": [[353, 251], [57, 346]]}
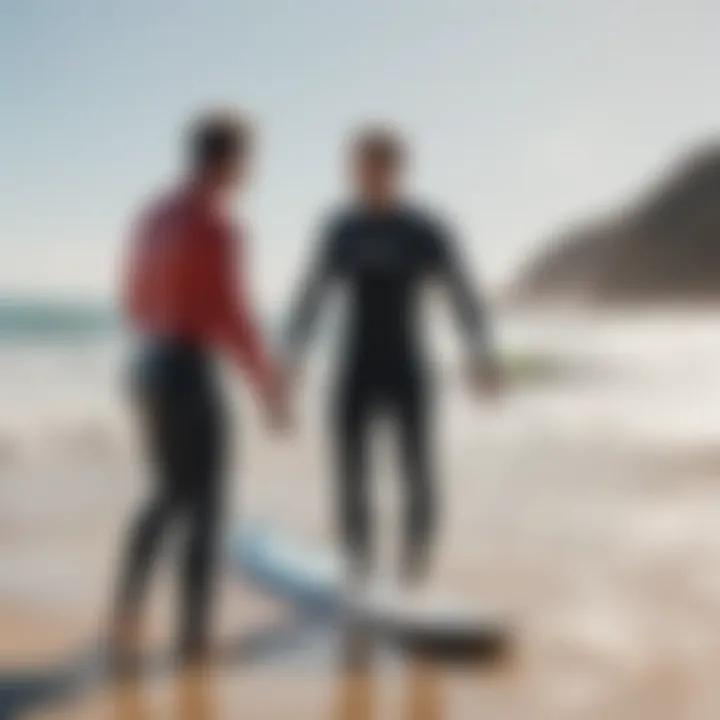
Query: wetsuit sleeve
{"points": [[308, 299], [229, 315], [469, 304]]}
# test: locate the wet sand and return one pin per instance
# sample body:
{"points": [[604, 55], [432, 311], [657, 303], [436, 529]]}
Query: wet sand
{"points": [[604, 555]]}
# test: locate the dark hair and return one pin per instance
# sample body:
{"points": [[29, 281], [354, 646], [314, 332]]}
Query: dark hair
{"points": [[216, 137], [382, 144]]}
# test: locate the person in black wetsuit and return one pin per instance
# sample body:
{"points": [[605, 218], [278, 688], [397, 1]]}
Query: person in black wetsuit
{"points": [[382, 251]]}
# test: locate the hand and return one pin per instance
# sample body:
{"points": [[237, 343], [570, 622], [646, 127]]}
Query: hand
{"points": [[485, 378], [276, 400], [293, 372]]}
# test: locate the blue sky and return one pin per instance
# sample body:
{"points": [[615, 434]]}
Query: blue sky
{"points": [[525, 114]]}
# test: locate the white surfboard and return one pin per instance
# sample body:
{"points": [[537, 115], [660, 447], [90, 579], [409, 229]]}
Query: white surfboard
{"points": [[312, 580]]}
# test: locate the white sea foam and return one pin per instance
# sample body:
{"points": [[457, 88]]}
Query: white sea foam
{"points": [[653, 378]]}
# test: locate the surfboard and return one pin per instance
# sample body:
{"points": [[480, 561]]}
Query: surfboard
{"points": [[311, 579]]}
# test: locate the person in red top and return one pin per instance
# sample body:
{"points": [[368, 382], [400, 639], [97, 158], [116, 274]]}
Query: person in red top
{"points": [[185, 297]]}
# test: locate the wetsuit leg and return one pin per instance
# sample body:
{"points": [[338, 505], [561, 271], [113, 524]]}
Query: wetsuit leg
{"points": [[351, 430], [182, 425], [411, 408], [204, 477], [144, 539], [155, 405]]}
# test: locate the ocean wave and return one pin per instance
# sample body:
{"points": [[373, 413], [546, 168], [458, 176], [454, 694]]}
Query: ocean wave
{"points": [[83, 440], [33, 320]]}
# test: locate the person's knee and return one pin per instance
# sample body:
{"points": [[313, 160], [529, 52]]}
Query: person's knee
{"points": [[203, 531], [153, 513]]}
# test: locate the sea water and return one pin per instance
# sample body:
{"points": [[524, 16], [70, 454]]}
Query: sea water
{"points": [[652, 377]]}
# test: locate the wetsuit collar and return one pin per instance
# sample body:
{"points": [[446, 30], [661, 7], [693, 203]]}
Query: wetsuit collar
{"points": [[394, 209]]}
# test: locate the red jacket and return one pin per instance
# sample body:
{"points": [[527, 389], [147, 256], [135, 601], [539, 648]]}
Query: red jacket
{"points": [[186, 279]]}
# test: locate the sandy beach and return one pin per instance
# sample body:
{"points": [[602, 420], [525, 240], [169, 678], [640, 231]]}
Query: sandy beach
{"points": [[585, 506]]}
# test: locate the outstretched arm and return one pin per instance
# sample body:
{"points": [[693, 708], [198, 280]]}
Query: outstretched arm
{"points": [[230, 317], [471, 311], [469, 304], [306, 306]]}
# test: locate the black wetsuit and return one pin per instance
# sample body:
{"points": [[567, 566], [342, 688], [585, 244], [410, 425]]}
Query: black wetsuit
{"points": [[383, 261], [183, 426]]}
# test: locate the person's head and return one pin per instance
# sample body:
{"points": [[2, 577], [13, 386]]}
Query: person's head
{"points": [[378, 157], [218, 147]]}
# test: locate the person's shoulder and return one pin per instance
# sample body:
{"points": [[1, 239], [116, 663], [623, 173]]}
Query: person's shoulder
{"points": [[338, 218], [157, 206], [425, 219]]}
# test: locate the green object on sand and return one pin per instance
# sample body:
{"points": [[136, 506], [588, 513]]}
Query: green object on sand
{"points": [[531, 366]]}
